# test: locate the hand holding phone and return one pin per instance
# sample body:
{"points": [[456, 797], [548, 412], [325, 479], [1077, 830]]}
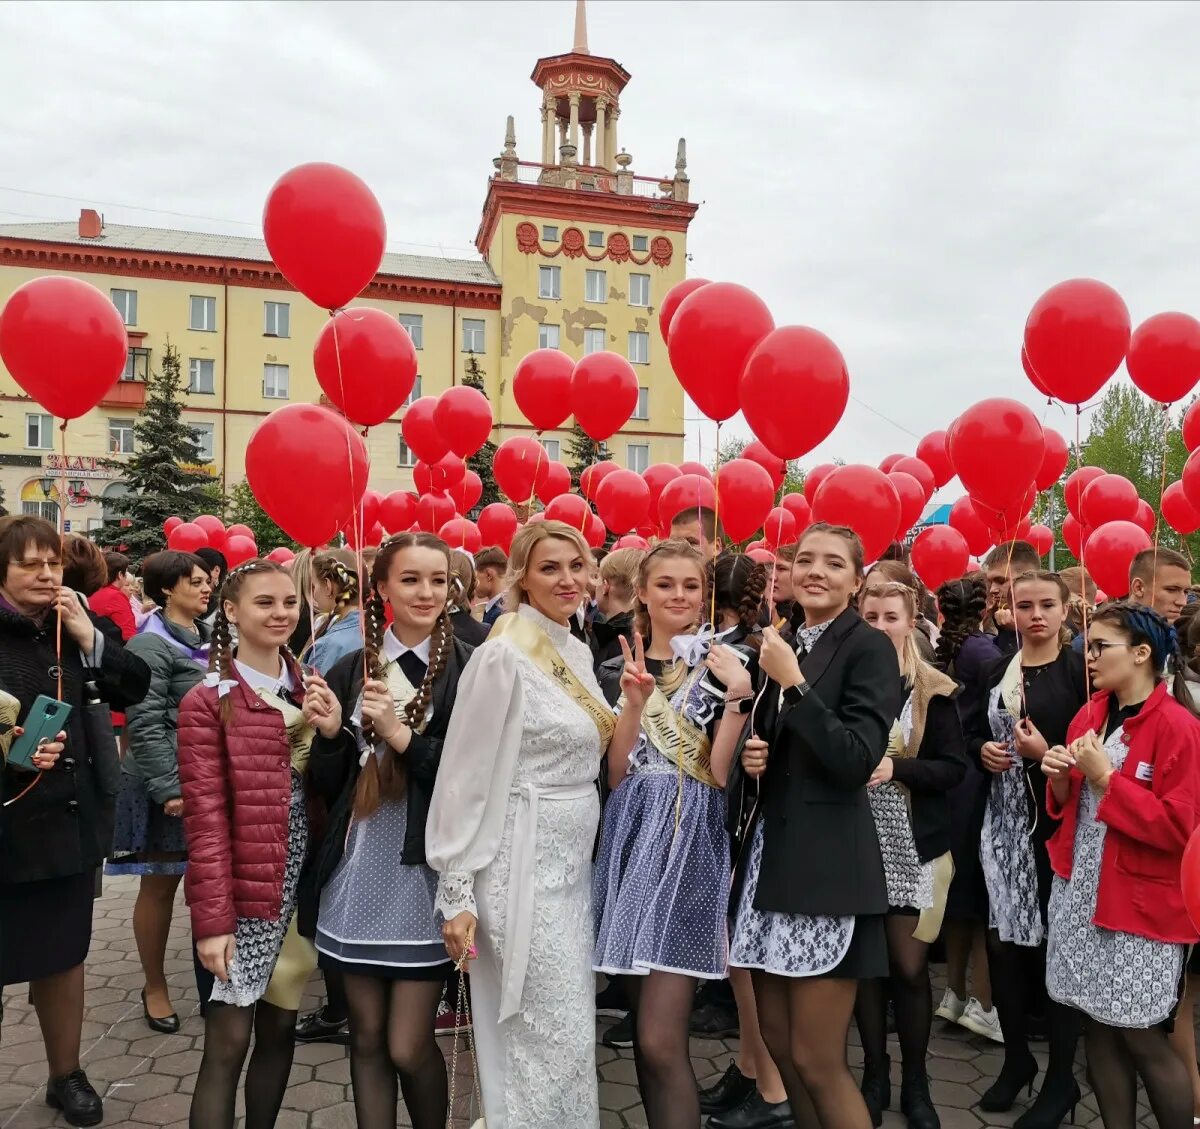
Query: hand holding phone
{"points": [[44, 728]]}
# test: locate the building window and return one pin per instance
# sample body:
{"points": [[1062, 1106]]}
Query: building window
{"points": [[595, 286], [120, 437], [548, 336], [137, 365], [126, 303], [200, 375], [415, 394], [549, 233], [202, 314], [550, 282], [641, 243], [472, 335], [642, 411], [595, 239], [593, 340], [639, 348], [39, 432], [553, 449], [639, 290], [277, 319], [204, 433], [47, 511], [637, 456], [415, 324], [406, 456], [275, 382]]}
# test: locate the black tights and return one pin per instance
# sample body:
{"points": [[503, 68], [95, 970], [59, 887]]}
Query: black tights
{"points": [[662, 1007], [1118, 1057], [908, 985], [227, 1032], [392, 1036]]}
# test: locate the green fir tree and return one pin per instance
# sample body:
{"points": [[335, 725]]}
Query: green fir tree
{"points": [[583, 451], [242, 508], [481, 461]]}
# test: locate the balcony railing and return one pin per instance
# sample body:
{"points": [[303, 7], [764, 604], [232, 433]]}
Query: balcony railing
{"points": [[595, 178]]}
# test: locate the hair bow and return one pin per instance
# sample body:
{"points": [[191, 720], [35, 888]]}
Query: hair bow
{"points": [[223, 685], [693, 649]]}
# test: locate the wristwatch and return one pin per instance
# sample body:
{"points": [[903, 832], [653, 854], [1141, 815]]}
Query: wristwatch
{"points": [[793, 694], [744, 705]]}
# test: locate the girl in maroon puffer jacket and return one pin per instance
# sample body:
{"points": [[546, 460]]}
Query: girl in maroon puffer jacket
{"points": [[244, 740]]}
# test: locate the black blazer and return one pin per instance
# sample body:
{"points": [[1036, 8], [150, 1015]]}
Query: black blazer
{"points": [[939, 766], [333, 773], [467, 628], [820, 849]]}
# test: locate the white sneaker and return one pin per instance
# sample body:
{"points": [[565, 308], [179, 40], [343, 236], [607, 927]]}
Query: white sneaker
{"points": [[951, 1007], [980, 1022]]}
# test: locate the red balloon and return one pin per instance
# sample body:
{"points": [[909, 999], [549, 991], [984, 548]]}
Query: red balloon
{"points": [[372, 536], [171, 523], [459, 533], [1164, 356], [595, 534], [1041, 537], [421, 432], [238, 550], [696, 468], [187, 537], [1076, 337], [437, 478], [370, 508], [632, 541], [649, 530], [542, 387], [918, 470], [1074, 536], [939, 554], [912, 501], [1189, 876], [657, 476], [556, 480], [759, 555], [672, 301], [64, 343], [814, 478], [325, 231], [997, 449], [1178, 512], [1035, 380], [366, 364], [686, 493], [1190, 479], [864, 499], [571, 510], [889, 461], [399, 511], [282, 555], [744, 494], [713, 332], [604, 394], [967, 521], [1054, 459], [239, 531], [797, 505], [591, 477], [1109, 552], [214, 527], [1191, 427], [1074, 487], [1002, 522], [794, 390], [464, 417], [1109, 498], [757, 452], [1145, 517], [520, 463], [498, 525], [307, 467], [623, 500], [932, 451], [780, 528], [466, 494], [433, 511], [534, 518]]}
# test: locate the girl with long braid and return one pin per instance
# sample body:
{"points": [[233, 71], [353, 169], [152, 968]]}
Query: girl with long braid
{"points": [[376, 924], [334, 594]]}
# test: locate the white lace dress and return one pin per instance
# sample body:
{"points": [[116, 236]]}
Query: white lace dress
{"points": [[510, 833]]}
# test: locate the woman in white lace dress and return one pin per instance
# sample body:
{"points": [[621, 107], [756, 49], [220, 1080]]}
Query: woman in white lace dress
{"points": [[510, 833]]}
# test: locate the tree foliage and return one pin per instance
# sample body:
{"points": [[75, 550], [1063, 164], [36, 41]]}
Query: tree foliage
{"points": [[583, 451], [241, 507]]}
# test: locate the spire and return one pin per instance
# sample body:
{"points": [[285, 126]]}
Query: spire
{"points": [[581, 43]]}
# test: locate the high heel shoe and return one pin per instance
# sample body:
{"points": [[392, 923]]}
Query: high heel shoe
{"points": [[1000, 1096], [169, 1025], [1050, 1110], [916, 1104], [876, 1089]]}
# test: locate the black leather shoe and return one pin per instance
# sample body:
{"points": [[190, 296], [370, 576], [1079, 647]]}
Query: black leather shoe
{"points": [[876, 1088], [168, 1025], [1002, 1093], [73, 1094], [714, 1021], [316, 1028], [917, 1105], [620, 1034], [731, 1089], [755, 1113]]}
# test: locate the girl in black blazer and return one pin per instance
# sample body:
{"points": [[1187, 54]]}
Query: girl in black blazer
{"points": [[810, 894], [909, 793]]}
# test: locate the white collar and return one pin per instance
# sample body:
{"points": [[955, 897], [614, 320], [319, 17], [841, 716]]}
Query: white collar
{"points": [[256, 680], [495, 600], [393, 648], [559, 633]]}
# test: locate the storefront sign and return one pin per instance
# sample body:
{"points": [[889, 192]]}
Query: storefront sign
{"points": [[78, 466]]}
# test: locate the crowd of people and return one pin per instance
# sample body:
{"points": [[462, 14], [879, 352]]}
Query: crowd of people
{"points": [[702, 794]]}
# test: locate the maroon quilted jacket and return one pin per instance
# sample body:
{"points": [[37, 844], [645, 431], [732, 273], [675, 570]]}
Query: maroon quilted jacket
{"points": [[236, 784]]}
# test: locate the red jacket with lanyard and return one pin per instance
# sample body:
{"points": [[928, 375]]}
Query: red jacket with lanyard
{"points": [[1150, 809]]}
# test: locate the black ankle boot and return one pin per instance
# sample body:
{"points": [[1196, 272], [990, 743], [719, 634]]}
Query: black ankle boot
{"points": [[916, 1103], [876, 1088], [1014, 1077], [1051, 1107]]}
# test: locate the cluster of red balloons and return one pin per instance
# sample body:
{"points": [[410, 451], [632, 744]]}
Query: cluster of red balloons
{"points": [[236, 543]]}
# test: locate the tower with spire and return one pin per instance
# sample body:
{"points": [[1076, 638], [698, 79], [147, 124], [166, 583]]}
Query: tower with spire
{"points": [[585, 247]]}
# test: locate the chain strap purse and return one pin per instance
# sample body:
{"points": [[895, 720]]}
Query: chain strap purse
{"points": [[464, 1024]]}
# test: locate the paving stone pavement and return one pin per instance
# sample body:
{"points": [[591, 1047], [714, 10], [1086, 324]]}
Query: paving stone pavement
{"points": [[147, 1079]]}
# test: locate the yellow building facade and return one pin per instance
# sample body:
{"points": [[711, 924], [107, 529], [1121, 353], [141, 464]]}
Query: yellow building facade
{"points": [[574, 255]]}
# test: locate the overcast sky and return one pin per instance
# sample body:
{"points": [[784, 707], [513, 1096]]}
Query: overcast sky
{"points": [[908, 178]]}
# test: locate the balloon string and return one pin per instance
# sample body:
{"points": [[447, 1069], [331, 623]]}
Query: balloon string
{"points": [[62, 550], [716, 523], [1083, 573], [1162, 488], [533, 481]]}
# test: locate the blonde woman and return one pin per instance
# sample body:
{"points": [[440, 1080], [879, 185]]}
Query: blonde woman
{"points": [[510, 834], [333, 592]]}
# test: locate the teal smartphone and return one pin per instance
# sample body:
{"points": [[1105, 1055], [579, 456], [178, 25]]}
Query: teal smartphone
{"points": [[46, 719]]}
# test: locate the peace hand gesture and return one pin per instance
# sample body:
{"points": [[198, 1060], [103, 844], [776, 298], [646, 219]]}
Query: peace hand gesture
{"points": [[636, 683]]}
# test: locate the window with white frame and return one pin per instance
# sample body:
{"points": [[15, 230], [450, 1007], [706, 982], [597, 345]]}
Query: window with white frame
{"points": [[200, 375], [126, 303], [275, 382], [595, 286], [553, 449], [642, 411], [415, 394], [595, 239], [637, 456], [277, 319], [120, 437], [39, 431], [472, 335], [593, 340], [47, 511], [639, 290], [205, 434], [407, 458], [202, 314], [548, 336], [550, 282], [549, 233], [415, 324], [639, 348], [641, 243]]}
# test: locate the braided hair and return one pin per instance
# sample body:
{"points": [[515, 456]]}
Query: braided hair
{"points": [[738, 584], [1144, 625], [962, 604], [336, 569], [664, 551], [384, 778]]}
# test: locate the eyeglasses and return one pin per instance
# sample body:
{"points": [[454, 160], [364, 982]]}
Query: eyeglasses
{"points": [[1096, 647], [52, 564]]}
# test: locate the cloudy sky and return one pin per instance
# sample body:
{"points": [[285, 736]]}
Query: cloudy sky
{"points": [[907, 178]]}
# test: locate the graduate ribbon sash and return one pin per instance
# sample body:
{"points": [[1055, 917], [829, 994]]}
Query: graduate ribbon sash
{"points": [[678, 739]]}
